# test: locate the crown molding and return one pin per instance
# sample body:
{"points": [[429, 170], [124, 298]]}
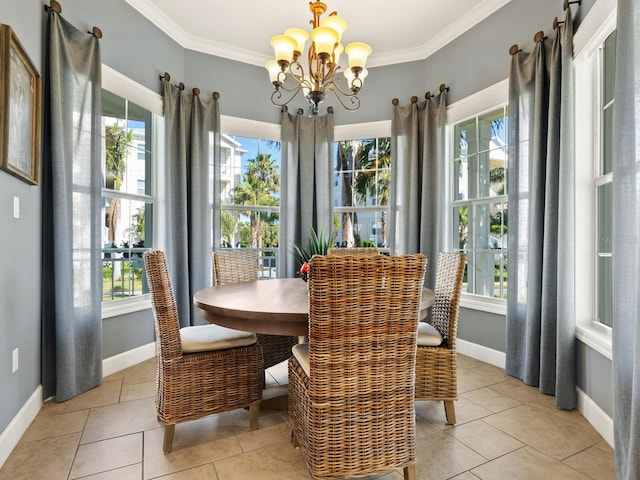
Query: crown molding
{"points": [[148, 10]]}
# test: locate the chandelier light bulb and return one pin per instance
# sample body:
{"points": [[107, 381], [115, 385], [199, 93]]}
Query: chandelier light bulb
{"points": [[336, 23], [350, 75], [358, 53], [336, 54], [324, 39], [300, 36], [274, 69], [283, 47]]}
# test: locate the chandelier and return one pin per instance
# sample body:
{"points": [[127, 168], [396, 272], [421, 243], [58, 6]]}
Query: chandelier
{"points": [[289, 75]]}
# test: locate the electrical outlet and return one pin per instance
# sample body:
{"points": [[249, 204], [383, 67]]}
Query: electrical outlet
{"points": [[16, 206], [14, 360]]}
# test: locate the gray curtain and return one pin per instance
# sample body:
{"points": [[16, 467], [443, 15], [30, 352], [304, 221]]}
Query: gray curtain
{"points": [[192, 149], [418, 178], [540, 343], [306, 197], [71, 213], [626, 243]]}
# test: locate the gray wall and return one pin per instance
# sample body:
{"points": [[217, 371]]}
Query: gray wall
{"points": [[20, 249], [594, 376], [135, 48], [126, 332], [130, 43], [482, 328]]}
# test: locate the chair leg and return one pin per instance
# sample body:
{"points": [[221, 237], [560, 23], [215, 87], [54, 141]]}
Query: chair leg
{"points": [[254, 410], [450, 412], [410, 472], [168, 437], [294, 440]]}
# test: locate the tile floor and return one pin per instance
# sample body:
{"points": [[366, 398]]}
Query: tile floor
{"points": [[505, 430]]}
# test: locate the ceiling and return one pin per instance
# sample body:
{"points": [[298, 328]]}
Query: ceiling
{"points": [[241, 29]]}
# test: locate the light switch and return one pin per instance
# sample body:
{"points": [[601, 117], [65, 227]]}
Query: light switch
{"points": [[14, 360], [16, 206]]}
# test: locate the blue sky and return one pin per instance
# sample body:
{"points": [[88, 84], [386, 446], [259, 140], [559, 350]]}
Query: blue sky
{"points": [[255, 146]]}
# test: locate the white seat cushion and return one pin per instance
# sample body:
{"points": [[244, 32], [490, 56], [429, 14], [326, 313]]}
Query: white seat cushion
{"points": [[204, 338], [301, 352], [428, 336]]}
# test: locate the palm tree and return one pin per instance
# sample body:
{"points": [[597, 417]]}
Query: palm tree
{"points": [[373, 176], [228, 224], [258, 186], [117, 141], [344, 161]]}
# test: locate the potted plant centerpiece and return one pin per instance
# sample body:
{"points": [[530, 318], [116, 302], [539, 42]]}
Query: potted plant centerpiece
{"points": [[319, 244]]}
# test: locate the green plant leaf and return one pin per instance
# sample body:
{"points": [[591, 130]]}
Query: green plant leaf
{"points": [[319, 244]]}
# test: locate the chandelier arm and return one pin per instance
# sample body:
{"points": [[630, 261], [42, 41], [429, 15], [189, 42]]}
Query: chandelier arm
{"points": [[296, 70], [295, 88], [276, 95], [341, 96], [357, 84], [355, 102]]}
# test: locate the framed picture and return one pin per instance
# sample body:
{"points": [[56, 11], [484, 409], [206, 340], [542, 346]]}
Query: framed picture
{"points": [[20, 110]]}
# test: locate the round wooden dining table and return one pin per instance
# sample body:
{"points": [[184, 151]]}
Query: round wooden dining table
{"points": [[279, 306]]}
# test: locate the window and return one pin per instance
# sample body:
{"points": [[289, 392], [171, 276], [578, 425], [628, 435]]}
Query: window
{"points": [[603, 181], [362, 177], [250, 197], [127, 196], [594, 66], [479, 201]]}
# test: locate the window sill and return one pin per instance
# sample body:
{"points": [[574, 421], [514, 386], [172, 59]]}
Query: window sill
{"points": [[484, 304], [129, 305], [596, 337]]}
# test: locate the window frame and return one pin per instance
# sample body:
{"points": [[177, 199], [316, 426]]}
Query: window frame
{"points": [[243, 127], [361, 209], [486, 100], [132, 91], [247, 128], [598, 24], [359, 131]]}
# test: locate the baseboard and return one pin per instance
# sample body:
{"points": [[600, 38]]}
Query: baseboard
{"points": [[11, 435], [127, 359], [482, 353], [598, 419]]}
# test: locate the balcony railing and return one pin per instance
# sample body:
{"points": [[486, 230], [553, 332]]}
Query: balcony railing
{"points": [[123, 274]]}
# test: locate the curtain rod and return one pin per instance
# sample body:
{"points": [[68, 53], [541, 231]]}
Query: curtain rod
{"points": [[56, 7], [427, 96], [566, 3], [194, 90], [539, 36]]}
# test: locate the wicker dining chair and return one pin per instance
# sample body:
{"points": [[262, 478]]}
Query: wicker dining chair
{"points": [[358, 251], [235, 266], [201, 370], [351, 387], [436, 367]]}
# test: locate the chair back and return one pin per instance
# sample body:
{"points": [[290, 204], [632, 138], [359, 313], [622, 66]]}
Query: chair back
{"points": [[357, 251], [363, 316], [235, 266], [445, 310], [163, 302]]}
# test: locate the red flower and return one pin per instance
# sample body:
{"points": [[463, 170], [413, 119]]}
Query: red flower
{"points": [[304, 269]]}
